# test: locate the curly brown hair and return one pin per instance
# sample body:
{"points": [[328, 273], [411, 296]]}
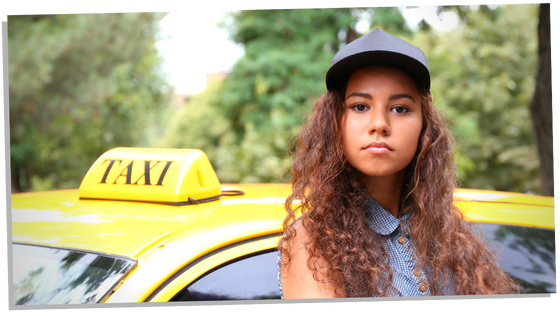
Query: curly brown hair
{"points": [[327, 190]]}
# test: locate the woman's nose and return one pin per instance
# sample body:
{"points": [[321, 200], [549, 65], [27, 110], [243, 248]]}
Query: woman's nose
{"points": [[379, 123]]}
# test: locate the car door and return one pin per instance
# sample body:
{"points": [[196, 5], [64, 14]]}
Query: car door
{"points": [[246, 271]]}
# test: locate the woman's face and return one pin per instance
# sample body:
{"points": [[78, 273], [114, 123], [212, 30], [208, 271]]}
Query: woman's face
{"points": [[382, 121]]}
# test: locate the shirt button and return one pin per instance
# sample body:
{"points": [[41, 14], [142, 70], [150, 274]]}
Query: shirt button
{"points": [[423, 287], [402, 240], [417, 273]]}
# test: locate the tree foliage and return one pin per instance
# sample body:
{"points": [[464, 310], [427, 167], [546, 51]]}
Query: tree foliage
{"points": [[79, 85], [483, 78], [263, 99]]}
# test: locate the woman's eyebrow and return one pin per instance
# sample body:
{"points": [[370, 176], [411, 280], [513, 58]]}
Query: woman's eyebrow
{"points": [[401, 95], [361, 94], [391, 98]]}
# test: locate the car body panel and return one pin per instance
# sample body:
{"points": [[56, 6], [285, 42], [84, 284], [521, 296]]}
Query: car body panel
{"points": [[129, 229], [514, 214], [183, 278], [177, 244], [503, 197], [195, 243]]}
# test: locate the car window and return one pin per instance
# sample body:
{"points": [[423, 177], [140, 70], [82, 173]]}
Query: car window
{"points": [[45, 275], [249, 278], [526, 253]]}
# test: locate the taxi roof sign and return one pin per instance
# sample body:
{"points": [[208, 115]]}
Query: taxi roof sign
{"points": [[165, 176]]}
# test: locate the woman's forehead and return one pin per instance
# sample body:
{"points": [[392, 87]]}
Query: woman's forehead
{"points": [[379, 75]]}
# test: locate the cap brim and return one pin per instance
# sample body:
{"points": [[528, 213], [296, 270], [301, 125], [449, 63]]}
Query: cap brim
{"points": [[339, 73]]}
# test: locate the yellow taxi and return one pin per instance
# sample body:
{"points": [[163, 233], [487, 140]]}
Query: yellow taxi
{"points": [[156, 225]]}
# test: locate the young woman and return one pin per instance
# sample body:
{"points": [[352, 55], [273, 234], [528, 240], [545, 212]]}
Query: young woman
{"points": [[373, 177]]}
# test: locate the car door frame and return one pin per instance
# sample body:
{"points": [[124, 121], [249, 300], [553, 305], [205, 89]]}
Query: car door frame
{"points": [[198, 268]]}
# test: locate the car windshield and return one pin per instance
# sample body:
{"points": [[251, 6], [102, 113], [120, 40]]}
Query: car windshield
{"points": [[46, 275]]}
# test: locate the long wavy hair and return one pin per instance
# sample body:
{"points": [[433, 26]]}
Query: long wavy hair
{"points": [[327, 191]]}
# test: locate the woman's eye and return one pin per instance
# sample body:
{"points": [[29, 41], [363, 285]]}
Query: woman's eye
{"points": [[360, 107], [399, 109]]}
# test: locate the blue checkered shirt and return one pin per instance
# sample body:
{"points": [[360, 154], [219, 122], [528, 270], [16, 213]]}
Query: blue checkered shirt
{"points": [[407, 279]]}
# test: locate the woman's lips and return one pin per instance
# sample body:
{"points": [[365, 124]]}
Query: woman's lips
{"points": [[378, 148]]}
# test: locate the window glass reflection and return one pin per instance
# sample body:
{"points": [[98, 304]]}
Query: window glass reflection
{"points": [[251, 278], [526, 253], [44, 275]]}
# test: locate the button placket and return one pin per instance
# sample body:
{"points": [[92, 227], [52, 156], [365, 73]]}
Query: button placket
{"points": [[423, 286], [402, 239]]}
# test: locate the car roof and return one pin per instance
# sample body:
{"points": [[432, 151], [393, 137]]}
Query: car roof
{"points": [[487, 206], [132, 229], [60, 218]]}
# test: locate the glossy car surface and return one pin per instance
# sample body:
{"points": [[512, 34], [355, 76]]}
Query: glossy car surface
{"points": [[131, 251]]}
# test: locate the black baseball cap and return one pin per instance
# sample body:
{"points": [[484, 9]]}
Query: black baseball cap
{"points": [[378, 48]]}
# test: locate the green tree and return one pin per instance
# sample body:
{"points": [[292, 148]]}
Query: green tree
{"points": [[541, 104], [390, 19], [259, 106], [79, 85], [483, 77], [201, 124]]}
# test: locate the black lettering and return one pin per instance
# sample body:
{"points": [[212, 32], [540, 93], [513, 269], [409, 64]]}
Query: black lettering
{"points": [[128, 174], [146, 174], [160, 181], [104, 179]]}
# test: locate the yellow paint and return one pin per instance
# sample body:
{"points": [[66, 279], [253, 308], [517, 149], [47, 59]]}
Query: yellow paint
{"points": [[165, 238], [151, 175], [199, 269]]}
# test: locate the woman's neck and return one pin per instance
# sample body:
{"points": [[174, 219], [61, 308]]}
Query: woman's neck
{"points": [[386, 190]]}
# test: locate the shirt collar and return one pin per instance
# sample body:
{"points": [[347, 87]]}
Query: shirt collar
{"points": [[382, 222]]}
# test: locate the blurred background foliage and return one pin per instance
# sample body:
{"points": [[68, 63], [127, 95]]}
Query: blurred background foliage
{"points": [[80, 85], [78, 89], [484, 78]]}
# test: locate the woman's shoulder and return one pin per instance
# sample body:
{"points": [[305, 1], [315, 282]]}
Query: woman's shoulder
{"points": [[299, 277], [301, 232], [296, 236]]}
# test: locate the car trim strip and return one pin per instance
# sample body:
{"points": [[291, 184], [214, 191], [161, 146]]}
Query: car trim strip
{"points": [[78, 250], [191, 201], [205, 256], [503, 202]]}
